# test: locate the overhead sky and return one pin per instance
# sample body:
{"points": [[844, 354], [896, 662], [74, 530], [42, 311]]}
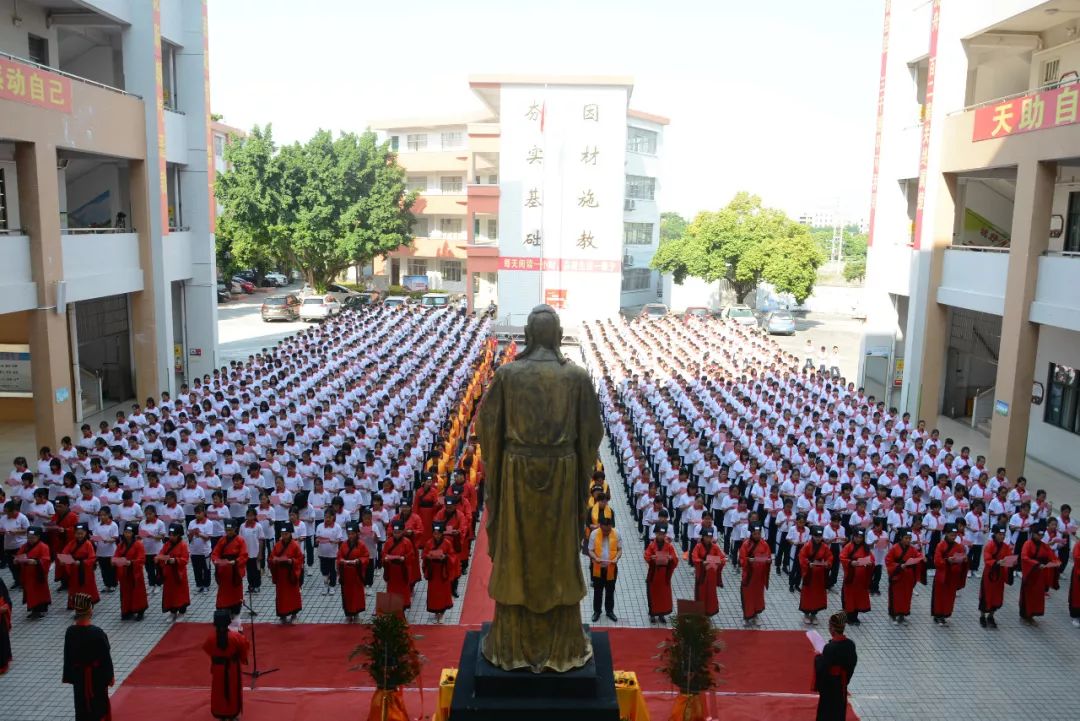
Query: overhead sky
{"points": [[777, 97]]}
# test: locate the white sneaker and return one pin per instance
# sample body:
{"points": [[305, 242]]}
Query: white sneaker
{"points": [[1076, 622]]}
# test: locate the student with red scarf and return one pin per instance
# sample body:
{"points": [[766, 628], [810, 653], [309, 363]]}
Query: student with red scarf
{"points": [[173, 559], [130, 560]]}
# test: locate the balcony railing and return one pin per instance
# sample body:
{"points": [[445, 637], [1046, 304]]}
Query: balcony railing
{"points": [[58, 71], [95, 231]]}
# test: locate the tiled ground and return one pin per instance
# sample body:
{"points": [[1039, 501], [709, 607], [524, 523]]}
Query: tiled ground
{"points": [[918, 671]]}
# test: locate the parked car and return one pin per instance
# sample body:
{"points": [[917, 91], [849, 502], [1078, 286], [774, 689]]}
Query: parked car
{"points": [[234, 287], [740, 314], [319, 307], [248, 275], [281, 307], [245, 285], [223, 294], [698, 311], [394, 301], [277, 279], [779, 322], [653, 310], [435, 300], [340, 292]]}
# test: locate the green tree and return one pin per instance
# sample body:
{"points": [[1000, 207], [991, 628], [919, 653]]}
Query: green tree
{"points": [[745, 243], [672, 226], [854, 269]]}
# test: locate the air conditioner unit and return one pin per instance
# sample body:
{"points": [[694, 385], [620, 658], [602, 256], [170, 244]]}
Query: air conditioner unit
{"points": [[628, 205], [628, 260]]}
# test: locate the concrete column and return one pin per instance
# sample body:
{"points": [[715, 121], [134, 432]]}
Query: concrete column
{"points": [[148, 371], [469, 285], [1019, 336], [50, 347], [928, 320]]}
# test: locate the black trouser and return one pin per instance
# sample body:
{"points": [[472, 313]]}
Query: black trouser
{"points": [[783, 556], [7, 560], [795, 575], [727, 540], [875, 580], [108, 571], [254, 575], [328, 568], [974, 557], [309, 550], [834, 569], [201, 569], [735, 546], [153, 571], [935, 539], [770, 537], [603, 591]]}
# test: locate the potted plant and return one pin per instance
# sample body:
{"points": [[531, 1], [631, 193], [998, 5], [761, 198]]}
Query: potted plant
{"points": [[389, 654], [688, 660]]}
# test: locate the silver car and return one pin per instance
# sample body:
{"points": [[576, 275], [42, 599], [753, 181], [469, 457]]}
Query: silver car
{"points": [[779, 322]]}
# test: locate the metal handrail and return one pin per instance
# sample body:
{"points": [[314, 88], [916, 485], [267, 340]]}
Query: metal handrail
{"points": [[1014, 96], [980, 409], [12, 231], [978, 248], [1063, 253], [179, 228], [58, 71], [96, 231]]}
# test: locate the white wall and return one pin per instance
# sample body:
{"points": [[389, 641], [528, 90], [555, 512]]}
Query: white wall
{"points": [[1001, 76], [96, 266], [692, 292], [1050, 444], [990, 204], [17, 288], [14, 40], [11, 190]]}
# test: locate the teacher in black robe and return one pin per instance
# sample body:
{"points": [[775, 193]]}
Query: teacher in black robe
{"points": [[833, 669], [87, 663]]}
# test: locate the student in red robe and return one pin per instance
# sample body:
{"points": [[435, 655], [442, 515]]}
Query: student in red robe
{"points": [[60, 530], [755, 559], [708, 562], [352, 562], [173, 559], [1074, 587], [396, 567], [33, 559], [815, 559], [5, 628], [994, 578], [80, 569], [950, 574], [287, 569], [230, 565], [424, 506], [440, 570], [662, 558], [858, 562], [1035, 557], [456, 530], [904, 563], [130, 560], [414, 530], [228, 651]]}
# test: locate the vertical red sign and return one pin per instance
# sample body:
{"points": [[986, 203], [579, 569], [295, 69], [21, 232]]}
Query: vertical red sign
{"points": [[880, 116], [924, 151]]}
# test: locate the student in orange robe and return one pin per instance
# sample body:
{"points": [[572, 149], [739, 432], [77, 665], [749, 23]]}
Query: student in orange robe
{"points": [[80, 573], [440, 570], [396, 567], [950, 574], [132, 582], [1074, 587], [902, 578], [662, 559], [1034, 557], [5, 628], [287, 569], [424, 506], [352, 562], [815, 559], [33, 559], [230, 559], [994, 578], [755, 560], [173, 559], [855, 592], [708, 576], [61, 530], [414, 530], [456, 524], [228, 651]]}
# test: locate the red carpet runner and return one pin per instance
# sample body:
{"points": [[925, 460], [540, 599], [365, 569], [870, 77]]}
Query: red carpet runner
{"points": [[477, 606], [761, 669]]}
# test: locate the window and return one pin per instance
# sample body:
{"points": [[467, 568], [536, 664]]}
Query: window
{"points": [[637, 233], [416, 182], [176, 201], [493, 228], [394, 141], [451, 270], [168, 75], [640, 187], [1063, 398], [639, 140], [38, 49], [452, 139], [416, 141], [3, 203], [417, 266], [1072, 224], [449, 225], [634, 279], [450, 184], [421, 228]]}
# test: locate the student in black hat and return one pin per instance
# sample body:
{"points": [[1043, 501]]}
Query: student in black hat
{"points": [[173, 559], [396, 567], [950, 562], [754, 559], [33, 558], [81, 561], [662, 559], [858, 563], [130, 559], [833, 669], [1035, 557], [905, 564], [287, 568], [88, 663], [230, 559], [353, 560], [708, 562], [441, 571], [995, 576]]}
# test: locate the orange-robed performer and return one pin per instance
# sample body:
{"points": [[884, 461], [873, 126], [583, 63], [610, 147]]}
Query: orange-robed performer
{"points": [[441, 571], [228, 650], [950, 574], [287, 570], [130, 560], [81, 567], [1035, 557], [352, 562], [995, 576], [173, 559], [708, 562], [858, 562], [755, 559], [397, 570], [662, 560], [59, 532], [33, 561], [230, 558], [904, 564], [425, 504], [815, 559]]}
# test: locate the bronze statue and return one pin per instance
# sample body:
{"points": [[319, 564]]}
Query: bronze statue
{"points": [[540, 429]]}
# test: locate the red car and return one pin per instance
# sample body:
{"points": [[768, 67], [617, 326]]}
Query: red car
{"points": [[245, 285]]}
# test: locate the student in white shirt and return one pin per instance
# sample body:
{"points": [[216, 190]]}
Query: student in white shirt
{"points": [[199, 530], [255, 538], [105, 533], [328, 538], [13, 525], [152, 531]]}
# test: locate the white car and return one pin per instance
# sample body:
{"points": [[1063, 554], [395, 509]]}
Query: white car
{"points": [[340, 292], [319, 307], [280, 280], [740, 314], [393, 301]]}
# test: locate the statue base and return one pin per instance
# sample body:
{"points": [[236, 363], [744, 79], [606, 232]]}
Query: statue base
{"points": [[483, 692]]}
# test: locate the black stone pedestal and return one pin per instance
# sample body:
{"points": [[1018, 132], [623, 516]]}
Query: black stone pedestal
{"points": [[483, 692]]}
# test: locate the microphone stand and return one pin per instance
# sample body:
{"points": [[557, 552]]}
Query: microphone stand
{"points": [[255, 672]]}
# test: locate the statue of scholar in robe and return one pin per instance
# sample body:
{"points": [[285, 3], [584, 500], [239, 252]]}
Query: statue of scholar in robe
{"points": [[540, 429]]}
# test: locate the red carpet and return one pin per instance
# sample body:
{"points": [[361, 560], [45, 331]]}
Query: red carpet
{"points": [[477, 606], [314, 680]]}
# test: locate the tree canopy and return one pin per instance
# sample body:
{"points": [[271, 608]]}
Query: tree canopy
{"points": [[320, 206], [745, 243], [672, 226]]}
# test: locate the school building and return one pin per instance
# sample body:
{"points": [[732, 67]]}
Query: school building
{"points": [[973, 277], [106, 196]]}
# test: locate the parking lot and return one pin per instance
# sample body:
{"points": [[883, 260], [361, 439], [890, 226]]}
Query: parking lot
{"points": [[241, 330]]}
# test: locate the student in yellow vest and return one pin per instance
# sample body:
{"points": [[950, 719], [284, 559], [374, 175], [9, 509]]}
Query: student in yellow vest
{"points": [[605, 549]]}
